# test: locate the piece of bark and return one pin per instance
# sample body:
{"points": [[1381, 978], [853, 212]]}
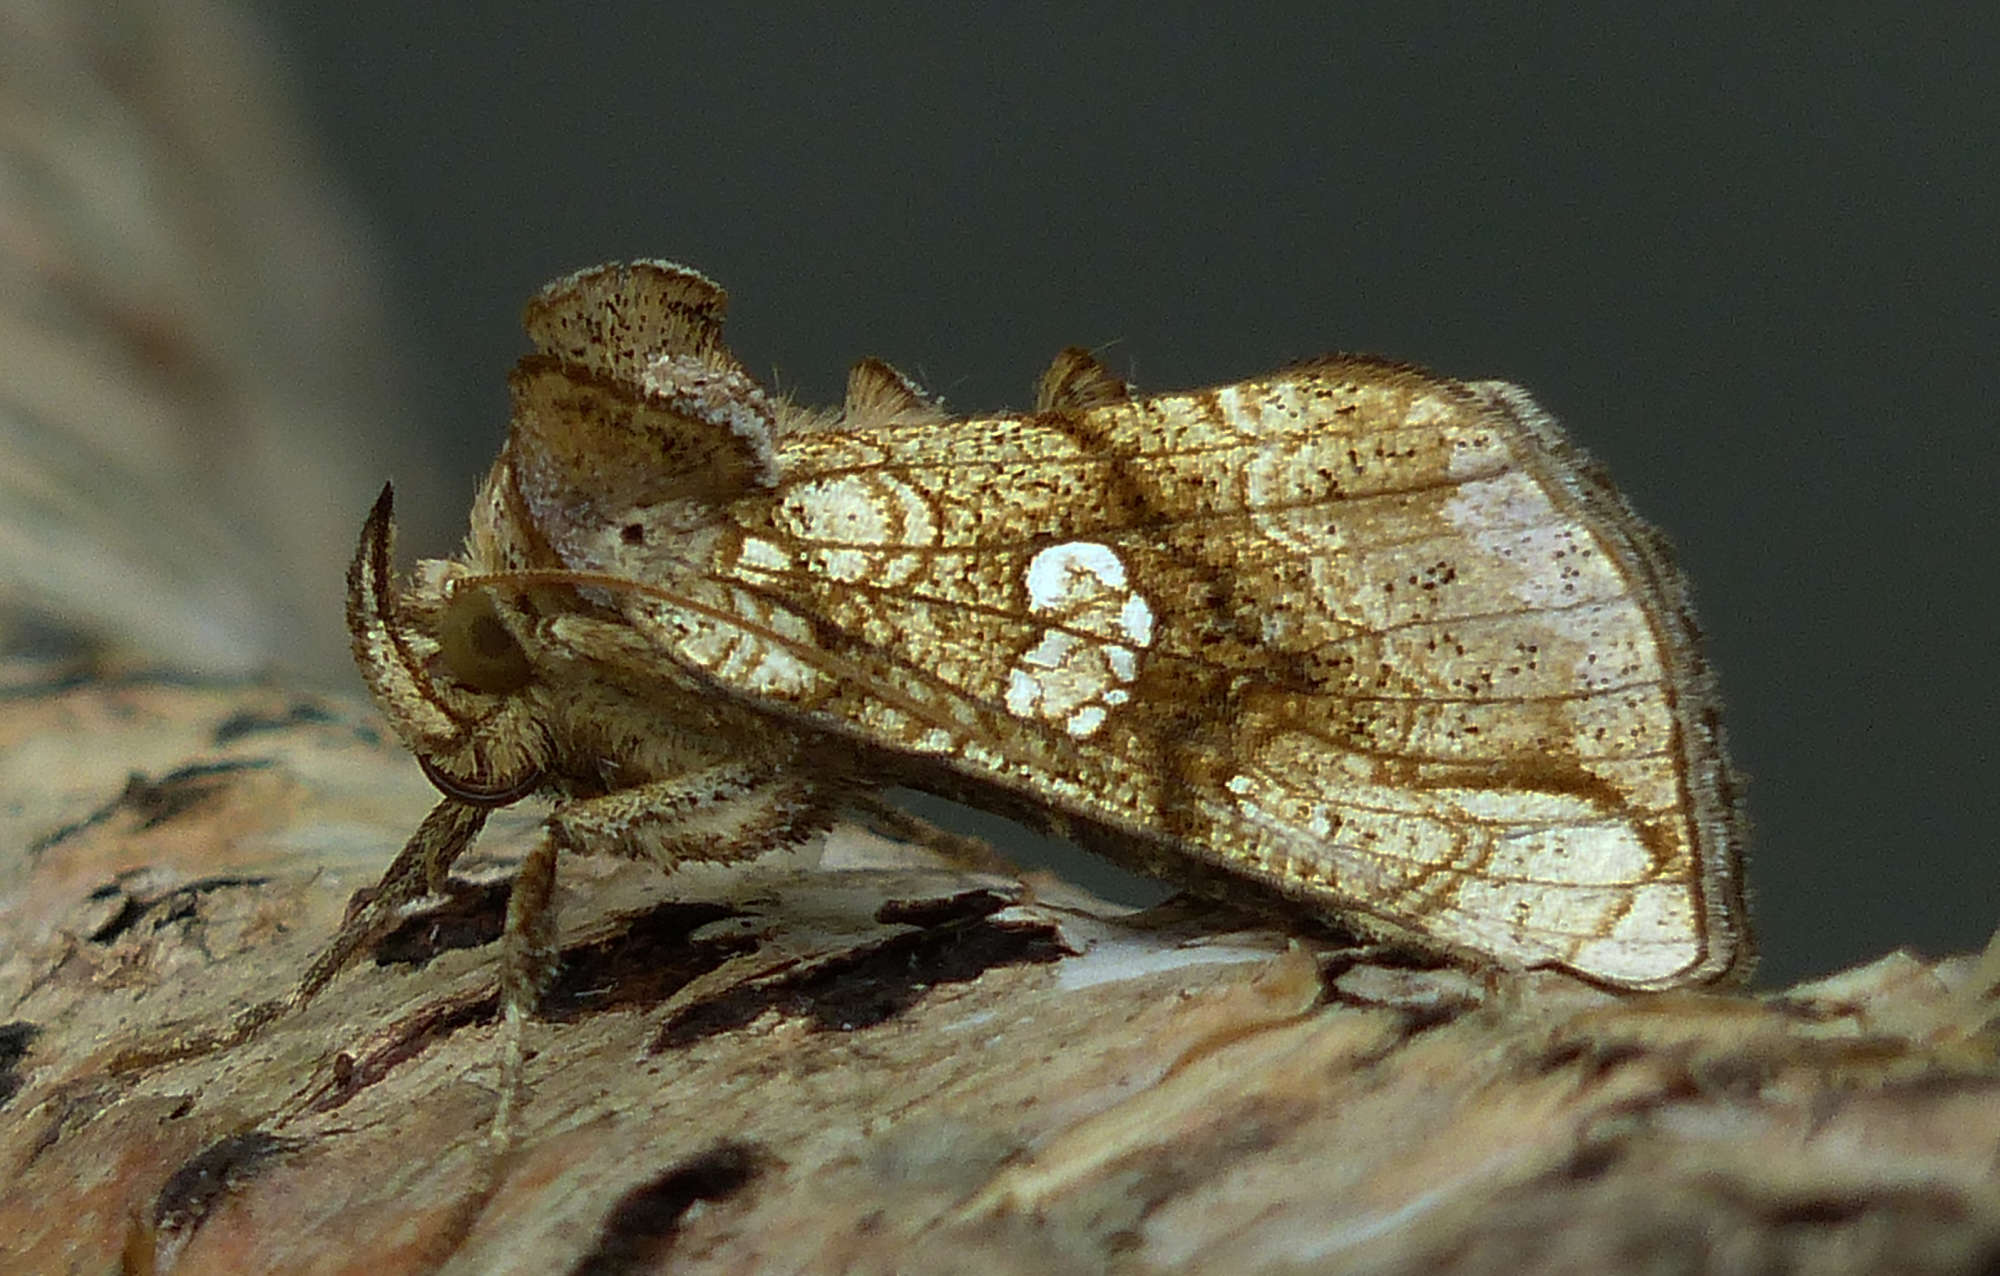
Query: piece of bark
{"points": [[877, 1064]]}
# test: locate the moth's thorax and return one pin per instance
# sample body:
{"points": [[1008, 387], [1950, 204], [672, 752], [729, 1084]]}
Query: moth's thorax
{"points": [[501, 537]]}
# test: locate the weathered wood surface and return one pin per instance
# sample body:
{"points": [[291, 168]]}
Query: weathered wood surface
{"points": [[879, 1064]]}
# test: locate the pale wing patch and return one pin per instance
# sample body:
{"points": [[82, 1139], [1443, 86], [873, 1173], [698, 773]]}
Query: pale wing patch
{"points": [[1074, 575], [1636, 934], [846, 520], [1081, 667], [742, 639], [1534, 555], [1260, 409], [760, 555], [1069, 680], [1532, 876], [1655, 938]]}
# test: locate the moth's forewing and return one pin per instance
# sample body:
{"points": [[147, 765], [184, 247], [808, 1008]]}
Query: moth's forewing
{"points": [[1373, 639]]}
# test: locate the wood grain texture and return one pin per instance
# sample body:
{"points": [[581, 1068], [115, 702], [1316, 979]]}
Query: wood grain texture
{"points": [[878, 1063]]}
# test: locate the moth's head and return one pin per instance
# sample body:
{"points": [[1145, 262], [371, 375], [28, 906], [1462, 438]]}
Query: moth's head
{"points": [[446, 671]]}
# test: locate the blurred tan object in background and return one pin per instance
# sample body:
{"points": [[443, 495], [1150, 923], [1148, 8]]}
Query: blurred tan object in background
{"points": [[195, 389]]}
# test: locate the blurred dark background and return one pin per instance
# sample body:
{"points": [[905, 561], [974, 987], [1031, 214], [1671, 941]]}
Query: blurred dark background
{"points": [[1749, 259]]}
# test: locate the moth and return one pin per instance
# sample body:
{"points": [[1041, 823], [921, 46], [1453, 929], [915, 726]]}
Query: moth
{"points": [[1375, 643]]}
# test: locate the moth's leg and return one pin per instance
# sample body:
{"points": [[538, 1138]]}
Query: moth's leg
{"points": [[527, 961], [418, 871], [728, 812], [724, 813], [957, 849]]}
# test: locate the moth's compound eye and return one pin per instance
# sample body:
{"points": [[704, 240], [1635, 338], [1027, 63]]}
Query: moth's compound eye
{"points": [[476, 648]]}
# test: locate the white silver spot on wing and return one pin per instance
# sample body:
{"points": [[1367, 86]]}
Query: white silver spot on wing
{"points": [[1078, 669]]}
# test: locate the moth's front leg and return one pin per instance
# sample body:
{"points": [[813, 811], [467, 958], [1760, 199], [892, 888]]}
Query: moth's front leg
{"points": [[731, 811], [725, 813], [419, 871]]}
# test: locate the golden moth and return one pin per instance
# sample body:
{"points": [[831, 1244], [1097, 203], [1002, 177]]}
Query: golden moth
{"points": [[1350, 635]]}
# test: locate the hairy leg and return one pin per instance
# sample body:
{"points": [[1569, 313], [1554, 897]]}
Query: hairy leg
{"points": [[726, 813], [417, 873], [959, 849]]}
